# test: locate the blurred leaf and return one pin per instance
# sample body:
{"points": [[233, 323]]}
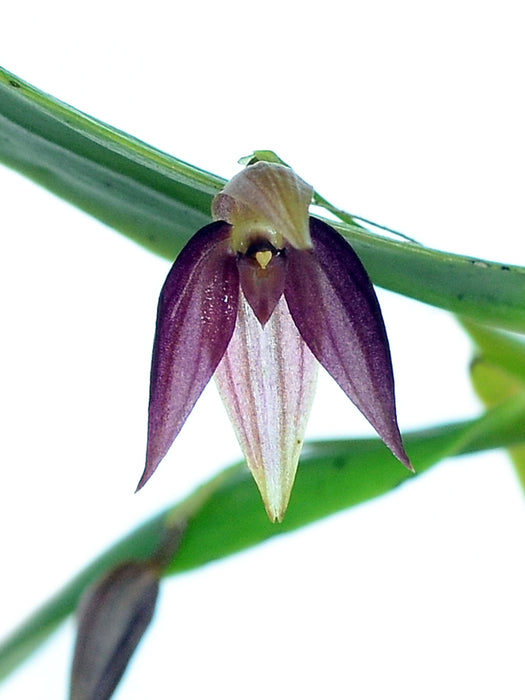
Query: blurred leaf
{"points": [[225, 515], [517, 456], [151, 541], [112, 619], [497, 374], [492, 383], [159, 202], [333, 476], [505, 350]]}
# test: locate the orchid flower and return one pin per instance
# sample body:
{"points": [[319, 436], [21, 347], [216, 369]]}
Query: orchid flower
{"points": [[259, 298]]}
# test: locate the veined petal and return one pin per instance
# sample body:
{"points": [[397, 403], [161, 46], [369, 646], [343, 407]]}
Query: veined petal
{"points": [[195, 321], [267, 381], [335, 308]]}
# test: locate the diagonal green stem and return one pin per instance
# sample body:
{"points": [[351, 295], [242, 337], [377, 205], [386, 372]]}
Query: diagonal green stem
{"points": [[225, 515], [142, 543], [160, 201]]}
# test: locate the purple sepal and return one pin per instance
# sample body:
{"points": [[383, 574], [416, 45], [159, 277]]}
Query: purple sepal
{"points": [[334, 306], [195, 321]]}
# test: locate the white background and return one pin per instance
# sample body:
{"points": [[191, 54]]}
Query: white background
{"points": [[408, 113]]}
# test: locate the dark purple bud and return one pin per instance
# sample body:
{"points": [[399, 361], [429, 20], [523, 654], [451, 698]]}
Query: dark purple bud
{"points": [[195, 321], [112, 618], [334, 306]]}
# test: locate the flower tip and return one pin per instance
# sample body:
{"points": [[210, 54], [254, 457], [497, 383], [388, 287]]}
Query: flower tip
{"points": [[408, 464], [276, 510], [275, 517], [402, 456], [141, 483], [146, 474], [275, 494]]}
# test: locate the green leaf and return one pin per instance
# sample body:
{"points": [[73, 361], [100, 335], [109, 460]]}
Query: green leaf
{"points": [[160, 201], [226, 515], [502, 349], [155, 199], [144, 543], [497, 374], [333, 476]]}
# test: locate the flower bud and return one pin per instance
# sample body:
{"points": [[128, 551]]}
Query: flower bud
{"points": [[112, 618]]}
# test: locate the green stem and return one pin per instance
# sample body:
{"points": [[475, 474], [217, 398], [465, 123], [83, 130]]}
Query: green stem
{"points": [[142, 544], [160, 202], [225, 515]]}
